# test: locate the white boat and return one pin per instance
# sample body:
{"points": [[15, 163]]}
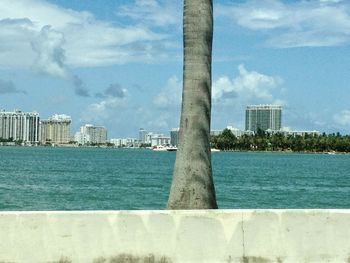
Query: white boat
{"points": [[214, 150], [162, 148], [159, 148], [171, 148]]}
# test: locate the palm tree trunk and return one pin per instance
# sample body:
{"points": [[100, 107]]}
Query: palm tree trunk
{"points": [[192, 186]]}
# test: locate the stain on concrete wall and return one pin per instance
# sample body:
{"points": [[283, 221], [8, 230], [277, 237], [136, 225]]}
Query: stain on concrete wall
{"points": [[62, 260], [255, 260], [129, 258]]}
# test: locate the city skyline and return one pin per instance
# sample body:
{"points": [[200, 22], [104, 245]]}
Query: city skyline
{"points": [[119, 64], [60, 121]]}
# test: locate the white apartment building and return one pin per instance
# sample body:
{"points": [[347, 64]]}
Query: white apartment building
{"points": [[20, 125], [81, 138], [125, 142], [91, 134], [160, 139], [148, 137], [294, 133], [237, 132], [142, 135], [56, 129], [263, 117], [157, 139]]}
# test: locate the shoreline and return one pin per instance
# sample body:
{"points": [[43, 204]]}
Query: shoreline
{"points": [[143, 148]]}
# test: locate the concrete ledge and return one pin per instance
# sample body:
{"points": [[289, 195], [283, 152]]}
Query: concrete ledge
{"points": [[176, 236]]}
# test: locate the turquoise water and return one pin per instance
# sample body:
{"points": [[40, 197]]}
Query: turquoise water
{"points": [[39, 178]]}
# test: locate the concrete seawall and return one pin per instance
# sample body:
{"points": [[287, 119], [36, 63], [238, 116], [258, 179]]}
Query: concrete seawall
{"points": [[176, 236]]}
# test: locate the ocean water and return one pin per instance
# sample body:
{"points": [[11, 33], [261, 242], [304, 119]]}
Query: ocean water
{"points": [[44, 178]]}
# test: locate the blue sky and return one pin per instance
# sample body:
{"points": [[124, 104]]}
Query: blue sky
{"points": [[119, 63]]}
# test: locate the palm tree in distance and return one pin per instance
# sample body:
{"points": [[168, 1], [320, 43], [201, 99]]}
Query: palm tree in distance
{"points": [[192, 186]]}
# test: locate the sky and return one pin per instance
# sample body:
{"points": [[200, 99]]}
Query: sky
{"points": [[118, 63]]}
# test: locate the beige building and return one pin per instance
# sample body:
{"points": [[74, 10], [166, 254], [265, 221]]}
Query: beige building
{"points": [[91, 134], [56, 129]]}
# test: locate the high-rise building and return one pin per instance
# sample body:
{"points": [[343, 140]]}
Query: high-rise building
{"points": [[91, 134], [20, 126], [174, 137], [142, 135], [56, 129], [263, 117]]}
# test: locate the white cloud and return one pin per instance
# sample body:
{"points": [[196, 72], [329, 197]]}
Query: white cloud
{"points": [[105, 111], [87, 40], [107, 104], [165, 113], [50, 54], [294, 24], [15, 37], [342, 118], [153, 12], [170, 95], [163, 122], [248, 86]]}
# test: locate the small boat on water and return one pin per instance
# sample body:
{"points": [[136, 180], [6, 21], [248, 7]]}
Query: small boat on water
{"points": [[171, 148], [162, 148], [159, 148], [214, 150]]}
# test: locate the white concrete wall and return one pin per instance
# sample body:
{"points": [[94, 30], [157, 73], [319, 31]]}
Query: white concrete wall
{"points": [[176, 236]]}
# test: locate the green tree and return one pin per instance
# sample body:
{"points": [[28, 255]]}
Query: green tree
{"points": [[246, 142], [226, 140], [192, 186]]}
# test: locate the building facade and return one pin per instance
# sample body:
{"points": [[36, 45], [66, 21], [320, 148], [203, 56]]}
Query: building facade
{"points": [[237, 132], [160, 139], [295, 133], [91, 134], [81, 138], [142, 135], [174, 137], [20, 126], [157, 139], [56, 129], [125, 142], [263, 117]]}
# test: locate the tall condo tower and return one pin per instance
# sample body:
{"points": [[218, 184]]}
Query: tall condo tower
{"points": [[174, 135], [142, 135], [56, 129], [263, 117], [91, 134], [20, 126]]}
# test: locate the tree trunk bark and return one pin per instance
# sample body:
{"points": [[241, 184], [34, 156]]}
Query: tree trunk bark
{"points": [[192, 186]]}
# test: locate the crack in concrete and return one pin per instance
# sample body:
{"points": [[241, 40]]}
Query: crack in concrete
{"points": [[243, 241]]}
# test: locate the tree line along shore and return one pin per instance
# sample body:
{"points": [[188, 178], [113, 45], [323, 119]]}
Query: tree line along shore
{"points": [[262, 141]]}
